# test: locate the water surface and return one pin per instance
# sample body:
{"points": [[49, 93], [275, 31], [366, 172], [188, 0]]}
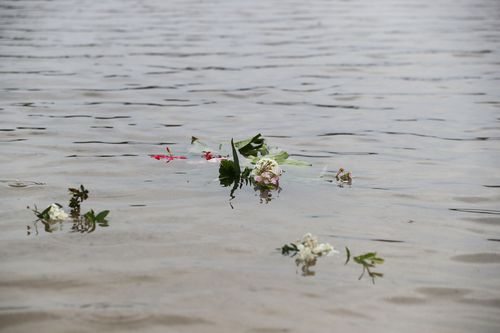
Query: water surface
{"points": [[404, 94]]}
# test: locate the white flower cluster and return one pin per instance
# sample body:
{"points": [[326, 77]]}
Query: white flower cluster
{"points": [[310, 249], [56, 213], [267, 172]]}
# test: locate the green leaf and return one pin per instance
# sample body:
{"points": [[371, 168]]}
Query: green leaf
{"points": [[290, 161], [100, 217], [44, 215], [236, 160], [230, 171], [365, 256], [90, 216], [246, 173], [348, 255], [227, 172], [252, 146], [287, 248], [377, 261], [281, 158]]}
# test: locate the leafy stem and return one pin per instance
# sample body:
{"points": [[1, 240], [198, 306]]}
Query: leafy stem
{"points": [[369, 260], [77, 197]]}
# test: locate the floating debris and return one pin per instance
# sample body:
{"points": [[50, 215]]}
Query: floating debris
{"points": [[209, 156], [170, 157], [343, 177]]}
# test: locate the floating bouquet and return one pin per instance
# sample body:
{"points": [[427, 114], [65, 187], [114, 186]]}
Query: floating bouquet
{"points": [[53, 216], [306, 252]]}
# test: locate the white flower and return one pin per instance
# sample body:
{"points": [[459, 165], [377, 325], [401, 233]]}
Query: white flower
{"points": [[308, 249], [309, 241], [266, 164], [305, 255], [57, 213], [323, 249]]}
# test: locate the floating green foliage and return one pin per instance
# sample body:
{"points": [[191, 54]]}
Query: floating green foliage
{"points": [[282, 157], [288, 249], [348, 255], [252, 146], [369, 260], [100, 218], [77, 197], [44, 214], [230, 171], [81, 223]]}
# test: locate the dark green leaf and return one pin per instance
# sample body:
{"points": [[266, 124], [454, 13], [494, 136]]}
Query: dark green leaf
{"points": [[252, 146], [100, 217], [44, 215], [348, 255], [228, 173], [287, 248], [365, 256], [90, 216], [236, 160]]}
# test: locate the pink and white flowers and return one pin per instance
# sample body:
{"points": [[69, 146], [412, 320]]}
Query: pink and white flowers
{"points": [[267, 172]]}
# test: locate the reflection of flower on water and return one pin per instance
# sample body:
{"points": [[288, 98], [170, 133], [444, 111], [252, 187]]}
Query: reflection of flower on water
{"points": [[307, 251], [266, 193]]}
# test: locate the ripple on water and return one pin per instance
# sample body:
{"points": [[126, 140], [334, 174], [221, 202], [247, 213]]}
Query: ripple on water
{"points": [[478, 258], [134, 315], [17, 318], [485, 220]]}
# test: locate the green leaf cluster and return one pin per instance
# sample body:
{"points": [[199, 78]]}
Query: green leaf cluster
{"points": [[81, 223], [230, 171], [77, 197], [252, 146], [289, 248], [43, 215], [100, 218], [368, 260]]}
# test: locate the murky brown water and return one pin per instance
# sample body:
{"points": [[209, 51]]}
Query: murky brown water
{"points": [[405, 94]]}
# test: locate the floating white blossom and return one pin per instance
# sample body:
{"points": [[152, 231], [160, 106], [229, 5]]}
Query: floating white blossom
{"points": [[56, 213], [309, 249]]}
